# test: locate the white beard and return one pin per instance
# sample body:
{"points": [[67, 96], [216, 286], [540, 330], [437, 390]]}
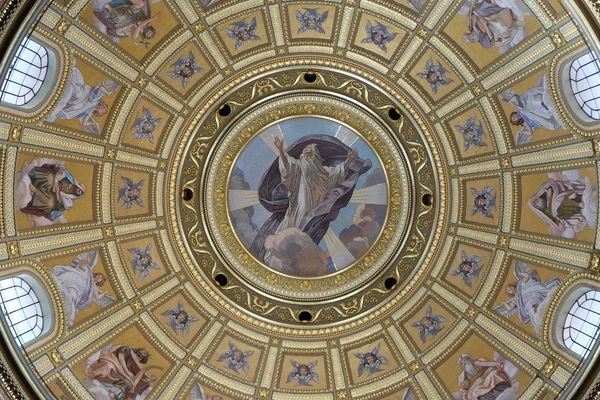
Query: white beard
{"points": [[315, 174], [469, 368]]}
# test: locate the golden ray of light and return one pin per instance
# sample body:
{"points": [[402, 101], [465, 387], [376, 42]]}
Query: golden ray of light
{"points": [[376, 194], [269, 135], [346, 136], [338, 252], [239, 199]]}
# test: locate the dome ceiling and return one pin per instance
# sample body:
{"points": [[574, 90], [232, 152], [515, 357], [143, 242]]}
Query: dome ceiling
{"points": [[302, 199]]}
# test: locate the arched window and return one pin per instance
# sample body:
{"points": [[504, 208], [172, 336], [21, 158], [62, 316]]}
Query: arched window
{"points": [[580, 328], [22, 309], [26, 74], [584, 76]]}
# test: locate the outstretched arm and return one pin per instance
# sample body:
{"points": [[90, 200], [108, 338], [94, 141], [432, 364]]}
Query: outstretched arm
{"points": [[282, 154], [352, 154], [138, 29]]}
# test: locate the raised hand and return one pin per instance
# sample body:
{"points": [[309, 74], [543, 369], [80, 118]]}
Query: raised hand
{"points": [[278, 142], [352, 154]]}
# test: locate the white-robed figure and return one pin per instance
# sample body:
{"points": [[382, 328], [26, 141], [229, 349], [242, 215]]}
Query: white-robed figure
{"points": [[534, 109], [530, 296], [83, 102], [79, 285], [308, 181]]}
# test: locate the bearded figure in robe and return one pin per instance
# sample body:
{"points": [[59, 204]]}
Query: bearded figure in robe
{"points": [[120, 372], [485, 379], [53, 190], [306, 187]]}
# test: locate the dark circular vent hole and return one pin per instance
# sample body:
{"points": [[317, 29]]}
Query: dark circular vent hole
{"points": [[427, 199], [225, 110], [221, 279], [390, 283], [394, 114], [310, 77], [188, 194], [305, 316]]}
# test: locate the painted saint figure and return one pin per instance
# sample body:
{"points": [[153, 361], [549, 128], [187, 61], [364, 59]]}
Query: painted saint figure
{"points": [[83, 102], [144, 126], [429, 324], [125, 18], [566, 203], [303, 373], [435, 75], [306, 187], [311, 19], [378, 35], [197, 393], [80, 286], [534, 109], [119, 372], [53, 191], [497, 23], [529, 296], [179, 319], [371, 362], [486, 379], [468, 268], [236, 359]]}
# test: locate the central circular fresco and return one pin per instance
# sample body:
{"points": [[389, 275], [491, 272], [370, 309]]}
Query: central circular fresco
{"points": [[307, 193]]}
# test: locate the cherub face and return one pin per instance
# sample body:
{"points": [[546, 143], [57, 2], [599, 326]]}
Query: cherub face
{"points": [[434, 77], [147, 126], [510, 290], [132, 193], [98, 278], [149, 32], [481, 201], [466, 267], [303, 371], [243, 34], [181, 318], [101, 108], [186, 71], [370, 359], [515, 119], [377, 37], [427, 323], [145, 260], [469, 134], [311, 22], [237, 356]]}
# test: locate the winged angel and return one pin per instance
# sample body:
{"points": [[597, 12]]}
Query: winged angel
{"points": [[435, 75], [142, 261], [185, 68], [130, 193], [429, 324], [469, 268], [471, 133], [80, 286], [303, 373], [483, 201], [529, 296], [378, 35], [236, 359], [144, 126], [242, 32], [371, 361], [311, 19], [179, 319]]}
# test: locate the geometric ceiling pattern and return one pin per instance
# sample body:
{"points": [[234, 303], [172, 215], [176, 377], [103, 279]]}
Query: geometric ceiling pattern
{"points": [[328, 199]]}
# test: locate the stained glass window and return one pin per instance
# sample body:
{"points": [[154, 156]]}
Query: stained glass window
{"points": [[22, 309], [585, 84], [580, 329]]}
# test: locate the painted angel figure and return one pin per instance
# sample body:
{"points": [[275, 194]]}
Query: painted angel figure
{"points": [[144, 126], [429, 324], [185, 68], [303, 373], [80, 286], [471, 133], [197, 393], [371, 361], [529, 296], [435, 75], [142, 261], [130, 193], [534, 109], [179, 319], [84, 102], [378, 35], [236, 359], [125, 18], [468, 269], [567, 203], [242, 32], [311, 19], [483, 201]]}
